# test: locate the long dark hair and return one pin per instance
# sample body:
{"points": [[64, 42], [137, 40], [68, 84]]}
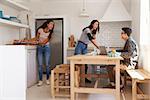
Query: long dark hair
{"points": [[44, 25], [91, 26]]}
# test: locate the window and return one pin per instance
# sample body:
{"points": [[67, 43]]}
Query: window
{"points": [[145, 33]]}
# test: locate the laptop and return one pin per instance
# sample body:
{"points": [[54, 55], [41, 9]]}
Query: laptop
{"points": [[103, 50]]}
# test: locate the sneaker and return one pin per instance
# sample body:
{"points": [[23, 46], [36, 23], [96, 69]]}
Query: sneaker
{"points": [[40, 83], [47, 82]]}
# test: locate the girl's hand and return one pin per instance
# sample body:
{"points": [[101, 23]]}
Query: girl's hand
{"points": [[35, 42]]}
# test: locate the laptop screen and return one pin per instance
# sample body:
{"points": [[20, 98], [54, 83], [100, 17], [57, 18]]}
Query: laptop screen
{"points": [[103, 50]]}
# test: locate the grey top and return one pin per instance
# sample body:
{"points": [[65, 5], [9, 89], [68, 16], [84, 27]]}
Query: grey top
{"points": [[84, 38], [130, 53]]}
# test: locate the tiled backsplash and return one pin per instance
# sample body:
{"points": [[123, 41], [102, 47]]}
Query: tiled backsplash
{"points": [[110, 33]]}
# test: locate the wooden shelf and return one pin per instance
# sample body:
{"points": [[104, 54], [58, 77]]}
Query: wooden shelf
{"points": [[13, 23], [14, 4]]}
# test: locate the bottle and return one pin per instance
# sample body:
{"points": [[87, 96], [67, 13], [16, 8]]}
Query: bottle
{"points": [[113, 52]]}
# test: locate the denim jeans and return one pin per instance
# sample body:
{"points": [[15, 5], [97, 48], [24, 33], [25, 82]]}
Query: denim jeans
{"points": [[81, 48], [43, 51]]}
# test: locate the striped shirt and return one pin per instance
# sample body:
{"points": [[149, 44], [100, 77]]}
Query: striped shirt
{"points": [[130, 53]]}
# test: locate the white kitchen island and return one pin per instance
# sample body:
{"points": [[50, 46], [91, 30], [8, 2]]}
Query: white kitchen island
{"points": [[14, 62]]}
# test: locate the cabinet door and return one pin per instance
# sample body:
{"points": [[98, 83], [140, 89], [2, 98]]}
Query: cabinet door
{"points": [[1, 80], [31, 68], [12, 73]]}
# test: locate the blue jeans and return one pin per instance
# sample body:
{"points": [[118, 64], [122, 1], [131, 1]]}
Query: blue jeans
{"points": [[81, 48], [43, 51]]}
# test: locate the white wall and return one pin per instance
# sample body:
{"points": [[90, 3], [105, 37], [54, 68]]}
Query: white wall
{"points": [[140, 26], [110, 34], [135, 12], [127, 4], [144, 37]]}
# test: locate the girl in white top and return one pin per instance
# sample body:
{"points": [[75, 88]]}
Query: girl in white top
{"points": [[43, 36]]}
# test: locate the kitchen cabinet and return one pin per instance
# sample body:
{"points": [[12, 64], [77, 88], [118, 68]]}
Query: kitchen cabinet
{"points": [[15, 62], [13, 72], [70, 51], [31, 67], [1, 81]]}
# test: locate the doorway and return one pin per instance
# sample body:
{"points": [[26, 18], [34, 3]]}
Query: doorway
{"points": [[56, 42]]}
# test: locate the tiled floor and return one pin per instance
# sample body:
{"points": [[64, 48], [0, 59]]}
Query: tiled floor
{"points": [[43, 93]]}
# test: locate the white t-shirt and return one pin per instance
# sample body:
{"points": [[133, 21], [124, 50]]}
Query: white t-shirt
{"points": [[43, 35]]}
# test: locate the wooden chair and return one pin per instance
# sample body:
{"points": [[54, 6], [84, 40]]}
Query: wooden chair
{"points": [[60, 81]]}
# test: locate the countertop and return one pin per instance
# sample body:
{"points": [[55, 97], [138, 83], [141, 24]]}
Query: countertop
{"points": [[25, 46], [30, 46], [91, 48], [72, 48]]}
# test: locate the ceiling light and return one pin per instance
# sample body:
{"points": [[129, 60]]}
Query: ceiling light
{"points": [[83, 12]]}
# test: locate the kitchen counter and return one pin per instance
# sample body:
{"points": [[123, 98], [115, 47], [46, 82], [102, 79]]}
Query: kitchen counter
{"points": [[92, 48], [16, 62], [26, 46], [30, 46], [72, 48]]}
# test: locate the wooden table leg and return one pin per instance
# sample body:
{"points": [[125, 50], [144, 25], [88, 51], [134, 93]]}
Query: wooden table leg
{"points": [[83, 72], [72, 69], [118, 80], [134, 89], [76, 79], [52, 84], [57, 82]]}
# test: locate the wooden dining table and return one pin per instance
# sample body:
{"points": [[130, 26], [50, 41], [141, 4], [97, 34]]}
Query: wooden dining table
{"points": [[98, 59]]}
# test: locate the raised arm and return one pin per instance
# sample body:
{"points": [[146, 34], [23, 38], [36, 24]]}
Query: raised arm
{"points": [[93, 40]]}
